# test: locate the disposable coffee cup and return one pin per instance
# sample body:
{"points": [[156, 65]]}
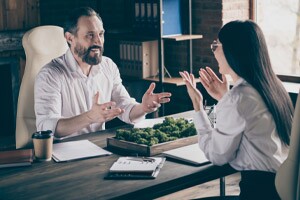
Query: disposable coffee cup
{"points": [[43, 145]]}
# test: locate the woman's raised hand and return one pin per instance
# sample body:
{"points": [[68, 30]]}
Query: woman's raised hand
{"points": [[193, 92], [213, 85]]}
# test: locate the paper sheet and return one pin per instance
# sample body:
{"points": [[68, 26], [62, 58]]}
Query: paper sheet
{"points": [[148, 123], [74, 150]]}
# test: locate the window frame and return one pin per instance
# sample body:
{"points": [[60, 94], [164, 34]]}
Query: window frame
{"points": [[252, 16]]}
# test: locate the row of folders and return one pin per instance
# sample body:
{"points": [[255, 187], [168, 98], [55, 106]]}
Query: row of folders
{"points": [[138, 59], [147, 17]]}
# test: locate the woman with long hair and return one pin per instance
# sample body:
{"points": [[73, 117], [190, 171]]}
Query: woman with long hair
{"points": [[253, 118]]}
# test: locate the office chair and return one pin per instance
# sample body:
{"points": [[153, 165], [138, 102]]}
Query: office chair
{"points": [[287, 180], [41, 45]]}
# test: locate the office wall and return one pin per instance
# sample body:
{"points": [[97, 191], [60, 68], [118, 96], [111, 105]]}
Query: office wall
{"points": [[18, 16]]}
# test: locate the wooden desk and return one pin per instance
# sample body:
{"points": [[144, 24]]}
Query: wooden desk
{"points": [[84, 179]]}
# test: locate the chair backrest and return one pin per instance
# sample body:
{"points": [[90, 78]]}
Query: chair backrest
{"points": [[41, 45], [288, 175]]}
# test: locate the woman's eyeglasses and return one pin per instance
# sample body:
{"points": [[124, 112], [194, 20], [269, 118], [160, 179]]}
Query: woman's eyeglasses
{"points": [[215, 45]]}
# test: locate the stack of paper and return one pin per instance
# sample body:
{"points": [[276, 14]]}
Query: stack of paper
{"points": [[136, 167], [75, 150]]}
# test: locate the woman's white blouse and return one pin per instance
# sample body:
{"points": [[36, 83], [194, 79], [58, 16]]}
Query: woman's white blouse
{"points": [[245, 135]]}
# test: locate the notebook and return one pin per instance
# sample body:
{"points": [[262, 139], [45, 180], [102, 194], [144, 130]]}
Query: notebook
{"points": [[68, 151], [136, 168], [191, 154]]}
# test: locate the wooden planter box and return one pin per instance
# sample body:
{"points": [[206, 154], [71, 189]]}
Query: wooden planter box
{"points": [[144, 150]]}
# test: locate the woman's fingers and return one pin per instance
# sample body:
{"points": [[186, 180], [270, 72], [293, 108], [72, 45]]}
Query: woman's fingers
{"points": [[204, 83], [212, 74], [186, 76], [193, 79], [205, 76]]}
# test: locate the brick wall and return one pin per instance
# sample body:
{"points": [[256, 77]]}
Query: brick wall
{"points": [[208, 17], [207, 20], [235, 9]]}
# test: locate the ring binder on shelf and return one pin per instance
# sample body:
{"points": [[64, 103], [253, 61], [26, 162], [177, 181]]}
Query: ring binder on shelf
{"points": [[138, 58]]}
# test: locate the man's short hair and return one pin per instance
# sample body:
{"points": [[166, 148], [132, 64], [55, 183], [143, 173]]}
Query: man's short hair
{"points": [[72, 19]]}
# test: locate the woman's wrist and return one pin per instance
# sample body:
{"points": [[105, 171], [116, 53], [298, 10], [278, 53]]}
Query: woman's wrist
{"points": [[197, 104]]}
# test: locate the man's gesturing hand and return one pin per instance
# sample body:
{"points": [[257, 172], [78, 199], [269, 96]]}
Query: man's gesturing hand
{"points": [[152, 101], [100, 113]]}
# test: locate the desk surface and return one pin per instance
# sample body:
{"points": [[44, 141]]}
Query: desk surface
{"points": [[84, 179]]}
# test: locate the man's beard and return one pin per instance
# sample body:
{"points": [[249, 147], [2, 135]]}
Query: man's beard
{"points": [[84, 54]]}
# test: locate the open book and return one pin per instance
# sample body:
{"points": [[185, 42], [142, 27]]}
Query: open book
{"points": [[191, 154], [67, 151], [136, 168]]}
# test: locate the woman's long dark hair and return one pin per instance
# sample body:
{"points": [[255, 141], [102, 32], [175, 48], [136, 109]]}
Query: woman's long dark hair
{"points": [[246, 52]]}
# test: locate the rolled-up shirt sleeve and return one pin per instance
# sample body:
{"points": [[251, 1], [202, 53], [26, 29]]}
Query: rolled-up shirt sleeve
{"points": [[220, 144], [47, 99]]}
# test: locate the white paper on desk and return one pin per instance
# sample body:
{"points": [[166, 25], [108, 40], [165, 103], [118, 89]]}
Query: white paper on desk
{"points": [[67, 151], [190, 154], [148, 123], [151, 122]]}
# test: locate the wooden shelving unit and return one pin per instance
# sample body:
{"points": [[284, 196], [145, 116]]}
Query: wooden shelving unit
{"points": [[188, 37], [182, 37], [175, 81], [185, 37], [149, 18]]}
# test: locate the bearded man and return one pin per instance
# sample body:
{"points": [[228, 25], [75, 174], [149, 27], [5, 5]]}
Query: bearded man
{"points": [[79, 91]]}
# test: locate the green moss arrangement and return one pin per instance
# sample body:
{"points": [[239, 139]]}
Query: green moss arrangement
{"points": [[170, 129]]}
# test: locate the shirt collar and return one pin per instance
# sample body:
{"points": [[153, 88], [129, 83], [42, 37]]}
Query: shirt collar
{"points": [[239, 82], [71, 62]]}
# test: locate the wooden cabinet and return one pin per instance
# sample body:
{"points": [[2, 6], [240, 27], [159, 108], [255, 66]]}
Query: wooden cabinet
{"points": [[18, 15]]}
